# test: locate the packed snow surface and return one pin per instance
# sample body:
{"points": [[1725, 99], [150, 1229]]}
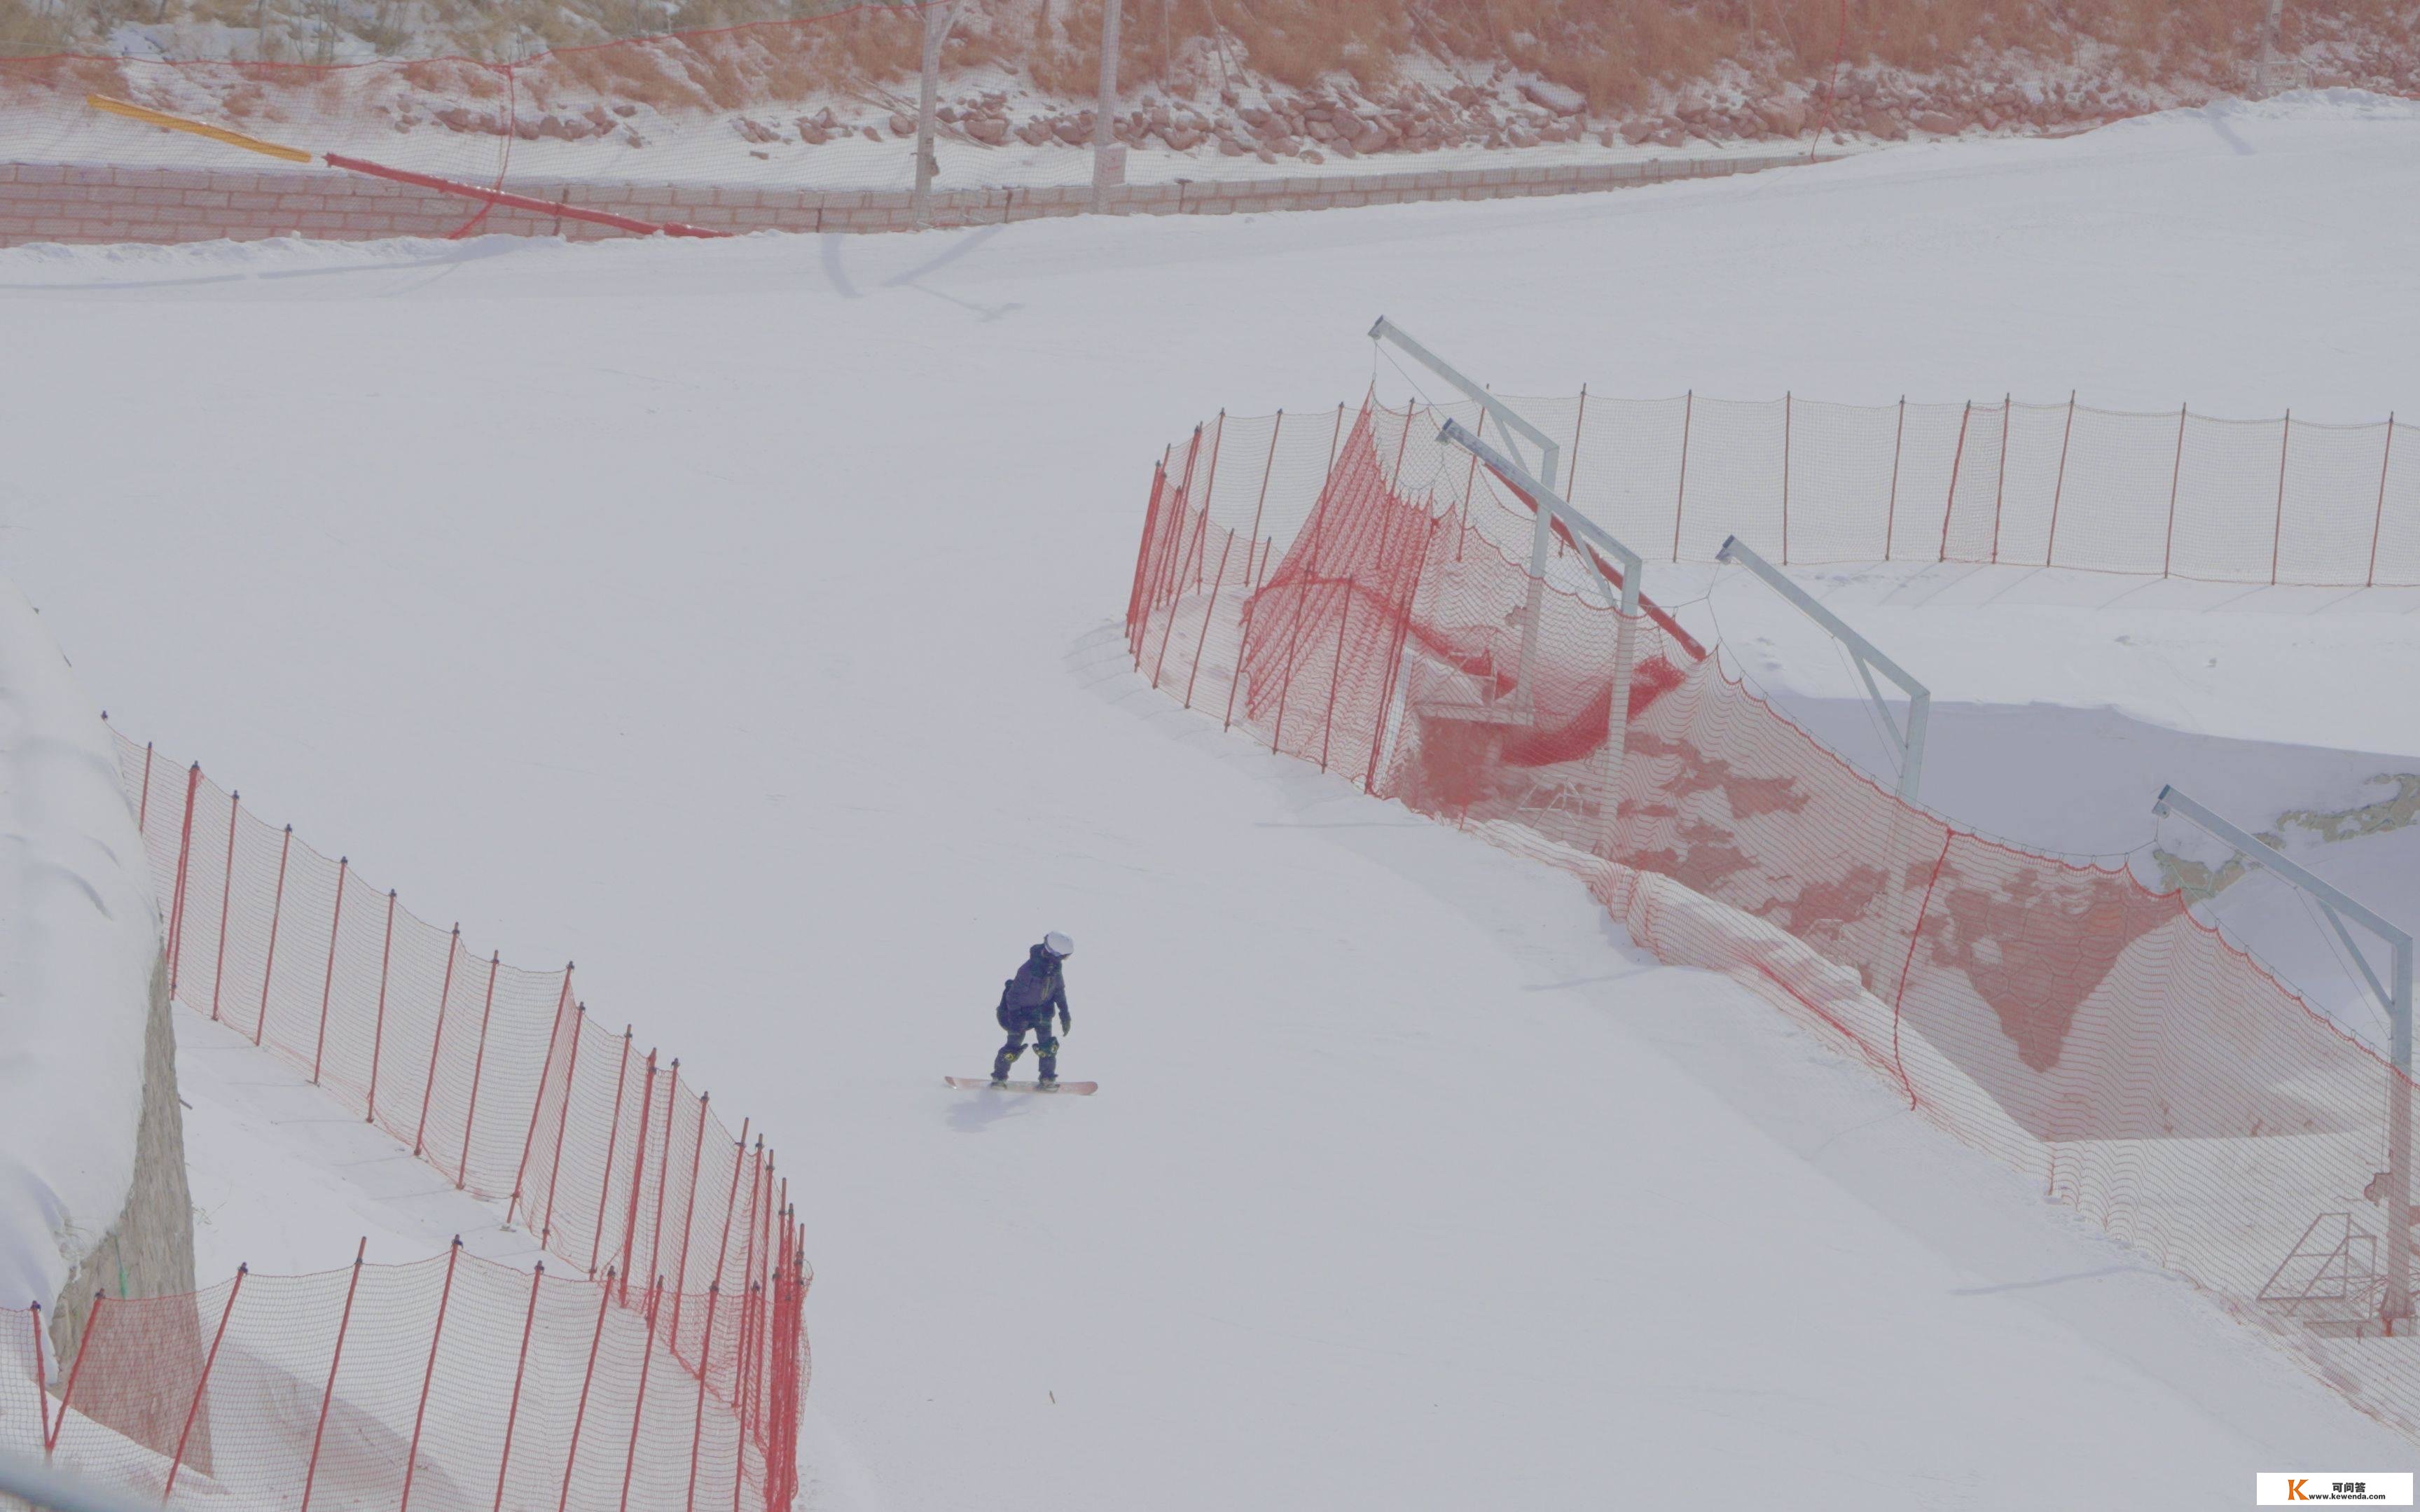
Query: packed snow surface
{"points": [[78, 937], [739, 620]]}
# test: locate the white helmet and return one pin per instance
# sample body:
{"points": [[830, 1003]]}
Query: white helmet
{"points": [[1059, 945]]}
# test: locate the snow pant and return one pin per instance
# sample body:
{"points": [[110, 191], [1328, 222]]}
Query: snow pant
{"points": [[1018, 1023]]}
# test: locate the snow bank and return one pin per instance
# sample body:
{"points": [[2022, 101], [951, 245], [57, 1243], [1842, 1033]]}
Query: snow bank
{"points": [[78, 940]]}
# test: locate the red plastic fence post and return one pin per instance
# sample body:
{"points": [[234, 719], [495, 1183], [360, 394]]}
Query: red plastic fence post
{"points": [[663, 1180], [638, 1405], [1788, 408], [1335, 675], [1914, 932], [612, 1141], [328, 986], [436, 1040], [76, 1369], [688, 1212], [184, 858], [2000, 481], [2168, 553], [545, 1070], [143, 809], [1165, 576], [1680, 495], [638, 1173], [2379, 521], [562, 1117], [1304, 585], [1260, 505], [730, 1203], [378, 1030], [436, 1334], [42, 1387], [1899, 444], [1209, 495], [2277, 537], [1202, 645], [276, 917], [1571, 473], [747, 1314], [2058, 489], [521, 1368], [478, 1065], [580, 1414], [1957, 461], [748, 1263], [194, 1407], [1402, 617], [336, 1357], [1136, 614], [226, 890], [1187, 556], [697, 1421]]}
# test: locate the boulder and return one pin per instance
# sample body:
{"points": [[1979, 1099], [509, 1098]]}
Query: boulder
{"points": [[989, 130], [903, 125], [1554, 97], [1938, 122], [1634, 132]]}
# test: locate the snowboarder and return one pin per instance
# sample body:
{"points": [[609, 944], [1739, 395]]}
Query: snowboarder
{"points": [[1027, 1001]]}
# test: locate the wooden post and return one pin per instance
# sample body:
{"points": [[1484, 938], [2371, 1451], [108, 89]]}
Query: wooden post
{"points": [[194, 1408], [328, 985], [478, 1064], [521, 1368], [1957, 460], [276, 917], [2058, 489], [436, 1334], [436, 1040], [226, 890], [336, 1357]]}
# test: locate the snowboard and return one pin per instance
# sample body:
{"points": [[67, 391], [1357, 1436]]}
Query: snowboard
{"points": [[1084, 1089]]}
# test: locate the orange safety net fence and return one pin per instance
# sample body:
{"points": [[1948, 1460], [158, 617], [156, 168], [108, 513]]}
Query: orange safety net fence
{"points": [[494, 1075], [450, 1383], [2079, 1025]]}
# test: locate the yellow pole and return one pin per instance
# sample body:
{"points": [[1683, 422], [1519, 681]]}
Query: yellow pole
{"points": [[179, 123]]}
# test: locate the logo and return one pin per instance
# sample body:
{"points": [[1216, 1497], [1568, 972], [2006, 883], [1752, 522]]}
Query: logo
{"points": [[2278, 1489]]}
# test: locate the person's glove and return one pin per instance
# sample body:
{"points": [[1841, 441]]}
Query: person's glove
{"points": [[1065, 1025]]}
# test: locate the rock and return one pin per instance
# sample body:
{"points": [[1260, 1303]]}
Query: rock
{"points": [[869, 133], [626, 112], [1554, 97], [812, 135], [1074, 133], [1034, 133], [1311, 155], [1667, 136], [1254, 116], [903, 125], [1784, 117], [1266, 155], [1182, 138], [947, 113], [1634, 132], [1375, 138], [749, 128], [989, 130], [1229, 148], [1463, 94], [1938, 123], [1877, 121]]}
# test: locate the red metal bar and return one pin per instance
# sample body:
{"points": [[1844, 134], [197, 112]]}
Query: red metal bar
{"points": [[1136, 612], [748, 1309], [328, 985], [612, 1139], [193, 1408], [697, 1423], [184, 858], [638, 1174], [2384, 462], [1914, 932], [638, 1404], [2176, 474], [688, 1213], [1957, 461], [1202, 646], [663, 1180], [143, 809], [563, 1116], [435, 1333], [747, 1264], [521, 1368], [1899, 444], [1193, 546], [1268, 465], [1335, 675], [1572, 473], [520, 202], [336, 1358], [546, 1069], [1788, 406], [478, 1065], [2000, 482], [2058, 489], [1167, 571], [2277, 537], [226, 887], [580, 1414], [730, 1203], [76, 1369], [276, 917], [437, 1040], [1680, 495], [378, 1030]]}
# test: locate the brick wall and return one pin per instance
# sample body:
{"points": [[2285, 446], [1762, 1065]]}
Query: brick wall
{"points": [[48, 201]]}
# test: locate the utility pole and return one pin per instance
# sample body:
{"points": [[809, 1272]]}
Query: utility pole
{"points": [[939, 18], [1108, 159], [2268, 47]]}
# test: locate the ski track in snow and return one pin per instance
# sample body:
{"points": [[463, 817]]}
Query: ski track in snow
{"points": [[735, 619]]}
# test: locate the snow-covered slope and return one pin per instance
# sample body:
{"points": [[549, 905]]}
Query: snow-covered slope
{"points": [[736, 619], [77, 941]]}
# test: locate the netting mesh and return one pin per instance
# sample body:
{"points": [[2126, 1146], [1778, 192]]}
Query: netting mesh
{"points": [[497, 1077], [2081, 1026], [448, 1383]]}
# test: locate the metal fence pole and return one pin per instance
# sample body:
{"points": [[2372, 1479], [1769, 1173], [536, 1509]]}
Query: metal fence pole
{"points": [[937, 21], [1108, 163]]}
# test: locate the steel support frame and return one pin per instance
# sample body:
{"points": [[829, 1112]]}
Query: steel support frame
{"points": [[1868, 658], [1549, 460], [1624, 596], [2394, 994]]}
